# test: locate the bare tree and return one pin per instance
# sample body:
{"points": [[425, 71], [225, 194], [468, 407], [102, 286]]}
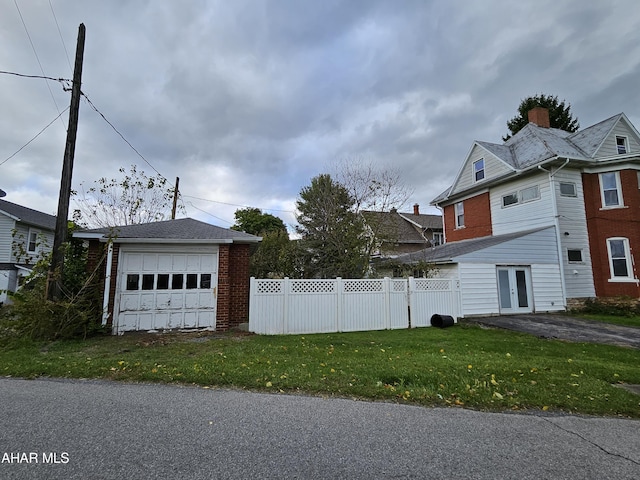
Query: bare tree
{"points": [[135, 198]]}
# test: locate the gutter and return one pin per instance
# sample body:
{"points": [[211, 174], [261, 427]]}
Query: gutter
{"points": [[556, 222]]}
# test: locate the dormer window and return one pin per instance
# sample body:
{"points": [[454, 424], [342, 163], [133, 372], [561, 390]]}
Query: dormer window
{"points": [[478, 170], [621, 145]]}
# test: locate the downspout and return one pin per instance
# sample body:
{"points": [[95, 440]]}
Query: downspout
{"points": [[107, 284], [556, 221], [444, 231]]}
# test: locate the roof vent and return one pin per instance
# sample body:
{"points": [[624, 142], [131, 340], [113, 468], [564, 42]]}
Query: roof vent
{"points": [[540, 116]]}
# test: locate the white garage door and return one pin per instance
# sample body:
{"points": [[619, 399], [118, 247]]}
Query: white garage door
{"points": [[162, 290]]}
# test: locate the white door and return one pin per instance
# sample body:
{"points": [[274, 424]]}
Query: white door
{"points": [[514, 289], [164, 289]]}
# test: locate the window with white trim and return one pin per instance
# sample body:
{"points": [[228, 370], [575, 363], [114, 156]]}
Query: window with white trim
{"points": [[568, 189], [621, 145], [459, 210], [32, 244], [478, 170], [619, 258], [610, 189], [525, 195], [438, 238]]}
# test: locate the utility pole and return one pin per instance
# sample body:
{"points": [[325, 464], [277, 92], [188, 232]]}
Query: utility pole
{"points": [[175, 199], [57, 256]]}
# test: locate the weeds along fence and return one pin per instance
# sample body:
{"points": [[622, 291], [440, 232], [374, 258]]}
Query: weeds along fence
{"points": [[291, 306]]}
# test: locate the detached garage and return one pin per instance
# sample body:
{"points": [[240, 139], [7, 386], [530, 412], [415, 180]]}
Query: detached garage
{"points": [[176, 274]]}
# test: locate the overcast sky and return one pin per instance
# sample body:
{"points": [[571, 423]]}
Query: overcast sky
{"points": [[247, 100]]}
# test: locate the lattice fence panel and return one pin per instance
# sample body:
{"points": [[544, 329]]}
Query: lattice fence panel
{"points": [[266, 287], [363, 286], [313, 286], [422, 284]]}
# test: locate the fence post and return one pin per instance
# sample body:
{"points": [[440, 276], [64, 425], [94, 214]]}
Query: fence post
{"points": [[339, 304], [285, 306], [252, 294], [386, 286], [410, 289]]}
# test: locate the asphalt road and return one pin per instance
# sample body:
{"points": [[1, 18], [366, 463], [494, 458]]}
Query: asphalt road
{"points": [[104, 430]]}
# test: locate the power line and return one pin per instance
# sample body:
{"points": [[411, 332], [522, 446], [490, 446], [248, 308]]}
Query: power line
{"points": [[120, 134], [37, 135], [61, 38], [236, 205], [211, 214], [66, 83], [37, 57]]}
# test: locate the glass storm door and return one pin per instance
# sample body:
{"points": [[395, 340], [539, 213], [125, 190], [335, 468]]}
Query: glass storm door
{"points": [[514, 289]]}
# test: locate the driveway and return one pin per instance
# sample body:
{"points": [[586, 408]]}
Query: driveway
{"points": [[563, 327], [74, 429]]}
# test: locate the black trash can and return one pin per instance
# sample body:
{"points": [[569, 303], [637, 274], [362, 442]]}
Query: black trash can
{"points": [[441, 321]]}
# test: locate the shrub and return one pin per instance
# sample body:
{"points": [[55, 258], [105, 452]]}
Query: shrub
{"points": [[617, 306]]}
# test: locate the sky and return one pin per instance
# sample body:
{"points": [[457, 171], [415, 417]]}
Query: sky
{"points": [[247, 100]]}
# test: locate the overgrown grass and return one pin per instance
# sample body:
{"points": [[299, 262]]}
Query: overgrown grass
{"points": [[458, 366]]}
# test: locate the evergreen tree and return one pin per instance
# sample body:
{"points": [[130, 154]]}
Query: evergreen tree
{"points": [[332, 238], [559, 115]]}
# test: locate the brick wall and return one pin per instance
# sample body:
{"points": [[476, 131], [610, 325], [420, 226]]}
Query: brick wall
{"points": [[477, 219], [233, 286], [613, 222]]}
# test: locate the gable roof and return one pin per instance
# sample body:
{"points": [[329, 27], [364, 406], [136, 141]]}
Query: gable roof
{"points": [[27, 215], [404, 227], [534, 146], [184, 230], [448, 252]]}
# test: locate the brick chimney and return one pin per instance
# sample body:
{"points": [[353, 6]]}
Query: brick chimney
{"points": [[416, 209], [540, 116]]}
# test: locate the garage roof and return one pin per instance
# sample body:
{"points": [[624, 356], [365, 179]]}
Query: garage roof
{"points": [[183, 230]]}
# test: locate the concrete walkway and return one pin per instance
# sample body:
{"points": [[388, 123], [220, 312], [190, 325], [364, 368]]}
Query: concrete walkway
{"points": [[564, 327]]}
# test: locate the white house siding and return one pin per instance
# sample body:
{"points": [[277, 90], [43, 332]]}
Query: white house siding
{"points": [[493, 167], [448, 271], [478, 289], [522, 216], [6, 227], [572, 221], [609, 147], [8, 280], [22, 234], [547, 288]]}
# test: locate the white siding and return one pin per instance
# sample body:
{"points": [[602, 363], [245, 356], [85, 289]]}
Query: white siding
{"points": [[478, 289], [493, 167], [547, 288], [6, 227], [536, 247], [22, 235], [609, 147], [522, 216], [8, 281], [572, 221]]}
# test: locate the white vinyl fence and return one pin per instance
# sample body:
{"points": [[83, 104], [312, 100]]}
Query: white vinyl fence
{"points": [[345, 305]]}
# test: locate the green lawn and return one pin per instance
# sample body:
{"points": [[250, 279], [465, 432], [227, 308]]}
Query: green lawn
{"points": [[459, 366], [615, 319]]}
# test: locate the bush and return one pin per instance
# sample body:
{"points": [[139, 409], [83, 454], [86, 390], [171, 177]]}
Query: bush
{"points": [[618, 306]]}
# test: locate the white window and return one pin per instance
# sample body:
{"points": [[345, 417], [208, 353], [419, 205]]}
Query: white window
{"points": [[32, 244], [610, 189], [619, 259], [568, 189], [621, 145], [510, 199], [525, 195], [478, 170], [438, 238], [529, 194], [459, 208]]}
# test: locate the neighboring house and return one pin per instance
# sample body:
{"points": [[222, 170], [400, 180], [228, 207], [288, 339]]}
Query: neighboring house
{"points": [[544, 220], [399, 233], [25, 235], [175, 274]]}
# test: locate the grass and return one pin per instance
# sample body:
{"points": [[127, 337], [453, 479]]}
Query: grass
{"points": [[464, 366], [615, 319]]}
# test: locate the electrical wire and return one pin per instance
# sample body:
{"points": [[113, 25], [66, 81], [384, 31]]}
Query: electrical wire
{"points": [[237, 205], [61, 38], [37, 57], [37, 135], [210, 214], [66, 83]]}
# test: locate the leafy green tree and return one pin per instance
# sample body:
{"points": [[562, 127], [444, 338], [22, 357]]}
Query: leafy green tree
{"points": [[271, 258], [253, 221], [332, 239], [559, 114], [133, 199]]}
